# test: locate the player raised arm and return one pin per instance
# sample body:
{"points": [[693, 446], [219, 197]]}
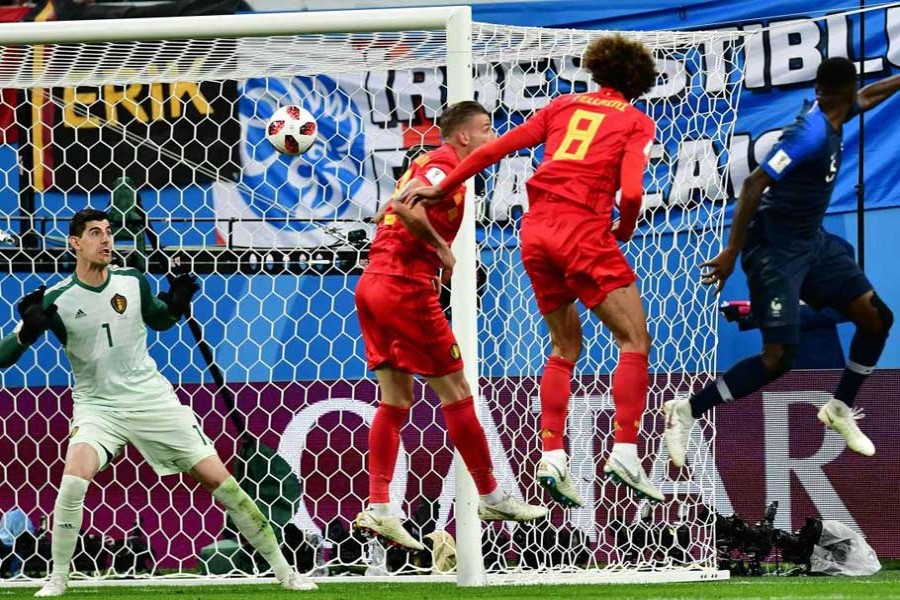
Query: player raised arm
{"points": [[530, 133], [162, 312], [35, 320], [875, 93]]}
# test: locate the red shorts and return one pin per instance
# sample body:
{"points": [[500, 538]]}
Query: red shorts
{"points": [[569, 253], [403, 326]]}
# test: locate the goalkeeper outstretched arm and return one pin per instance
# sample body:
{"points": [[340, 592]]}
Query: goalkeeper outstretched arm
{"points": [[154, 310], [10, 350], [37, 316], [163, 311]]}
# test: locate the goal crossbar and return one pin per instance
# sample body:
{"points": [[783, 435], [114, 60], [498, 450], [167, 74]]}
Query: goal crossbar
{"points": [[456, 23], [230, 26]]}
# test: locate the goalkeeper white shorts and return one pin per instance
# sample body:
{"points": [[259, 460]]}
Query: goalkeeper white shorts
{"points": [[168, 437]]}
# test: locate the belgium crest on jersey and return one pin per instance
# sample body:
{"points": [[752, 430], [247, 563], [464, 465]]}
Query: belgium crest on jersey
{"points": [[119, 303]]}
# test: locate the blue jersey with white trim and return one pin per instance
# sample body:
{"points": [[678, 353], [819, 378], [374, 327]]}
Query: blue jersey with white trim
{"points": [[804, 164]]}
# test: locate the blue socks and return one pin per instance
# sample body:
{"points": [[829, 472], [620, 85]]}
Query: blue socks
{"points": [[865, 350], [744, 378]]}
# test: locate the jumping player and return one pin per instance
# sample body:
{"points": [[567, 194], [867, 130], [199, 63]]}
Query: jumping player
{"points": [[100, 315], [594, 144], [787, 257], [405, 331]]}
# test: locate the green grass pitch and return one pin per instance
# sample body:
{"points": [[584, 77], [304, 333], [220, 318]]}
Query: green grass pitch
{"points": [[884, 585]]}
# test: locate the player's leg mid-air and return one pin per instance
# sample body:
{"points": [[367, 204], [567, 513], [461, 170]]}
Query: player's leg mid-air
{"points": [[465, 433], [873, 320], [787, 257], [621, 311], [595, 146], [405, 331]]}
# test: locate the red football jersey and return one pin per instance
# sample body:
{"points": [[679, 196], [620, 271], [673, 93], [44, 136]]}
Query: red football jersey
{"points": [[396, 251], [585, 138]]}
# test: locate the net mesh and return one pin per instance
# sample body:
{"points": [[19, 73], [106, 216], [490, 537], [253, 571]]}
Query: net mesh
{"points": [[175, 131], [694, 107]]}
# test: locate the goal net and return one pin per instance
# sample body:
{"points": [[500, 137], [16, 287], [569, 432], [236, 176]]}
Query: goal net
{"points": [[169, 134]]}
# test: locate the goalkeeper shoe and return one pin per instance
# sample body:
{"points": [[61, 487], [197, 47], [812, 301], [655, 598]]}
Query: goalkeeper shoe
{"points": [[55, 586], [679, 421], [298, 583], [388, 528], [553, 475], [510, 509], [625, 468], [842, 418]]}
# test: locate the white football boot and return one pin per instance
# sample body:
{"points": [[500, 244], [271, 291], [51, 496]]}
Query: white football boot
{"points": [[55, 586], [842, 418], [679, 421], [298, 583], [510, 509], [553, 475], [388, 528], [625, 467]]}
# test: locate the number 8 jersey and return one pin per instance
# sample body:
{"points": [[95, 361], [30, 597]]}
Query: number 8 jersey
{"points": [[568, 248], [586, 137]]}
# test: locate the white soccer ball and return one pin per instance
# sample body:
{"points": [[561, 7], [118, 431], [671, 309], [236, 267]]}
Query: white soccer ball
{"points": [[291, 130]]}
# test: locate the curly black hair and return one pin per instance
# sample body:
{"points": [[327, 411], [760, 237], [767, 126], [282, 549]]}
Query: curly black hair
{"points": [[622, 64], [835, 74]]}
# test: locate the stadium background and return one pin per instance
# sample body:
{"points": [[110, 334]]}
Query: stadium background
{"points": [[769, 446]]}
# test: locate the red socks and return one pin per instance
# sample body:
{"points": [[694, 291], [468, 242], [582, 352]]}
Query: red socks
{"points": [[467, 435], [629, 391], [555, 392], [465, 432], [384, 444]]}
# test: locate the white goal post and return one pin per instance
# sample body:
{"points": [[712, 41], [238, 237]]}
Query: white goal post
{"points": [[387, 71]]}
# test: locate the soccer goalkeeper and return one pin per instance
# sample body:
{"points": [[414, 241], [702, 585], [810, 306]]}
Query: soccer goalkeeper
{"points": [[100, 315]]}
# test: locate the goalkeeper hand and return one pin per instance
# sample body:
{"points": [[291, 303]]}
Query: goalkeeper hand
{"points": [[181, 292], [35, 318]]}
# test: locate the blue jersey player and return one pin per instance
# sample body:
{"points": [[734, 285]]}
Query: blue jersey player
{"points": [[788, 257]]}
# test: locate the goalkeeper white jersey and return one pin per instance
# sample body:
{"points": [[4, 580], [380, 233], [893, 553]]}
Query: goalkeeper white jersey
{"points": [[103, 331]]}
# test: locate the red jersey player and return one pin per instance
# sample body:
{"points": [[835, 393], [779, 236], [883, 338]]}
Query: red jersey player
{"points": [[594, 144], [405, 331]]}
